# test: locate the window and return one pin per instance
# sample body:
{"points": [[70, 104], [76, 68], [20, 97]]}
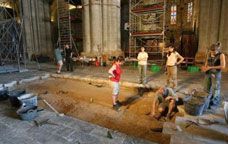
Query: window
{"points": [[173, 19], [189, 16]]}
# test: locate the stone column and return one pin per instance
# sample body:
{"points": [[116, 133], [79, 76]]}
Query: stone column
{"points": [[118, 25], [101, 27], [109, 27], [27, 27], [114, 24], [48, 29], [96, 26], [223, 32], [86, 27], [105, 25]]}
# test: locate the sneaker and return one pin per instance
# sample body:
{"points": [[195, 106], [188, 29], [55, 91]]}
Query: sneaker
{"points": [[116, 107]]}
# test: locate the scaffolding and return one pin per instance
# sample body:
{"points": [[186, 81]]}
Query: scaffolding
{"points": [[12, 53], [147, 28], [64, 24]]}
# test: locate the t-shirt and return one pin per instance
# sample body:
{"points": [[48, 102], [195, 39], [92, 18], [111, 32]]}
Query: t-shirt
{"points": [[115, 70], [142, 58], [172, 59], [58, 54], [68, 53], [167, 92]]}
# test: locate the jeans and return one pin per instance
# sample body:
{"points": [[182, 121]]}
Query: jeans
{"points": [[69, 64], [213, 86], [142, 73]]}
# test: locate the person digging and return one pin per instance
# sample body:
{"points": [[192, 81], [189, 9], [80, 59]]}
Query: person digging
{"points": [[164, 103]]}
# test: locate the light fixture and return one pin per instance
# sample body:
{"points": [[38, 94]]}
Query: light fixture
{"points": [[6, 5], [79, 6], [71, 7]]}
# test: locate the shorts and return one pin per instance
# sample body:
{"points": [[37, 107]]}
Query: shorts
{"points": [[116, 88], [60, 62]]}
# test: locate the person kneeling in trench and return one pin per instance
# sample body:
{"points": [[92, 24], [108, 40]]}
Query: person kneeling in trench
{"points": [[164, 100]]}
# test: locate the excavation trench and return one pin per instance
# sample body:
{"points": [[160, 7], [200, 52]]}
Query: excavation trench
{"points": [[92, 102]]}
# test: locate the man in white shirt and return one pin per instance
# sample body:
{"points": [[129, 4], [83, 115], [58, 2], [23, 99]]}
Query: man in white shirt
{"points": [[173, 59], [142, 65]]}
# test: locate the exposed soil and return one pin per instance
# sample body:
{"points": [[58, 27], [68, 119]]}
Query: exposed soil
{"points": [[92, 102]]}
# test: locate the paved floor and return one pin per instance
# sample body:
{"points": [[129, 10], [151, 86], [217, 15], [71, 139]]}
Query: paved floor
{"points": [[63, 130]]}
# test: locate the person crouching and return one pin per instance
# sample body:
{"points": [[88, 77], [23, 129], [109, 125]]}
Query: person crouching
{"points": [[164, 100]]}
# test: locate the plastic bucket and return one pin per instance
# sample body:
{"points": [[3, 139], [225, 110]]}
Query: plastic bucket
{"points": [[193, 109], [27, 113], [193, 69], [28, 99], [155, 68], [3, 93], [13, 97]]}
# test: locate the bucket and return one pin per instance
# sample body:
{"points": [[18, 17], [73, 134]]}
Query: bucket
{"points": [[194, 107], [193, 69], [13, 97], [135, 64], [226, 111], [28, 113], [194, 103], [3, 93], [28, 99], [155, 68]]}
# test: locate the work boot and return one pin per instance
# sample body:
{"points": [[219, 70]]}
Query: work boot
{"points": [[116, 107]]}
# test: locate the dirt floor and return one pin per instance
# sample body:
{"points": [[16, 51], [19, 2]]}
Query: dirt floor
{"points": [[92, 102]]}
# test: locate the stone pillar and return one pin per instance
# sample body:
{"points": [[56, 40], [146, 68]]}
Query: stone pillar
{"points": [[86, 27], [118, 25], [109, 28], [41, 26], [101, 32], [96, 26], [223, 32], [105, 16], [208, 27], [48, 29], [35, 25], [28, 29]]}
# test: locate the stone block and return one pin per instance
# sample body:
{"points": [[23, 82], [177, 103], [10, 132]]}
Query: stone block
{"points": [[11, 84], [183, 139], [28, 80], [65, 132], [131, 140], [84, 138], [102, 134], [46, 76], [170, 128]]}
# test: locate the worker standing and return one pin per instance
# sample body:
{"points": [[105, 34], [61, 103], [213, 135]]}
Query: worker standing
{"points": [[142, 65]]}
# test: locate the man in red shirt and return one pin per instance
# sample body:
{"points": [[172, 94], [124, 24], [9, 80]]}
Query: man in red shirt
{"points": [[115, 74]]}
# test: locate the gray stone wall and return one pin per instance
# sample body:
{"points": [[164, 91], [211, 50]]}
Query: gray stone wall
{"points": [[212, 26], [37, 27]]}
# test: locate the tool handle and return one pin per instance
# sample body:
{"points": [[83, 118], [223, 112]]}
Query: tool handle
{"points": [[50, 106]]}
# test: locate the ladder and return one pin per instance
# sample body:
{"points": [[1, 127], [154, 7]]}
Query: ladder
{"points": [[64, 23]]}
